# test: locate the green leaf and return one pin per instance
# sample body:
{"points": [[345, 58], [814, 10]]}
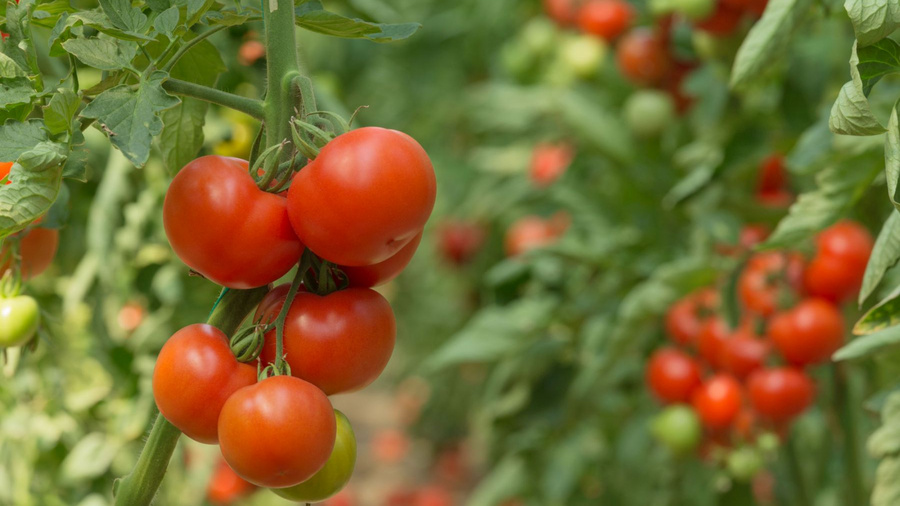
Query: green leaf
{"points": [[159, 5], [228, 18], [15, 91], [873, 20], [852, 114], [58, 114], [869, 344], [196, 9], [17, 138], [123, 15], [129, 116], [90, 458], [9, 68], [812, 149], [767, 41], [885, 314], [313, 17], [103, 54], [892, 155], [36, 179], [876, 61], [885, 255], [505, 480], [167, 21], [597, 126]]}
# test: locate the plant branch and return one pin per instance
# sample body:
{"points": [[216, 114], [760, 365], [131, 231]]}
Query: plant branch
{"points": [[846, 413], [283, 65], [188, 45], [245, 105]]}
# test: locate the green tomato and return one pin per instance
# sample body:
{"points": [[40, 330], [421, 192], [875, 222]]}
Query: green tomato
{"points": [[768, 443], [19, 320], [649, 112], [678, 428], [744, 463], [336, 473], [539, 36], [584, 54]]}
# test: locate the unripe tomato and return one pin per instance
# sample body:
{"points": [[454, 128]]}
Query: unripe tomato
{"points": [[277, 433], [809, 333], [225, 487], [743, 354], [195, 374], [366, 196], [718, 401], [780, 395], [673, 375], [744, 463], [533, 232], [368, 276], [37, 249], [332, 478], [722, 22], [549, 162], [768, 279], [842, 254], [20, 318], [648, 112], [459, 241], [678, 428], [691, 9], [224, 227], [583, 54], [607, 19], [539, 36], [643, 57], [339, 342], [685, 318]]}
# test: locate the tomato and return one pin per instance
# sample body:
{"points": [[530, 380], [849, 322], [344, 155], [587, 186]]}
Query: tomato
{"points": [[226, 487], [678, 428], [749, 236], [5, 167], [561, 11], [277, 433], [224, 227], [605, 18], [744, 463], [366, 196], [433, 495], [718, 401], [390, 446], [648, 112], [711, 340], [130, 316], [459, 241], [250, 52], [842, 254], [20, 318], [809, 333], [195, 374], [780, 395], [332, 478], [643, 57], [340, 342], [368, 276], [451, 466], [673, 375], [533, 232], [755, 7], [549, 162], [37, 248], [768, 279], [743, 354], [772, 174], [581, 56], [673, 85], [685, 318], [722, 22]]}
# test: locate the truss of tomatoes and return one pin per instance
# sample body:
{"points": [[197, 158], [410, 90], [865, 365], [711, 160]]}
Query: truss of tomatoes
{"points": [[736, 384], [360, 205]]}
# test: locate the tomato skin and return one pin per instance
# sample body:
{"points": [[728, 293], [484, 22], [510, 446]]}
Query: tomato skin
{"points": [[722, 22], [561, 11], [766, 279], [5, 167], [459, 241], [842, 254], [332, 478], [37, 249], [678, 428], [368, 276], [718, 401], [277, 433], [607, 19], [711, 340], [226, 487], [643, 57], [368, 194], [673, 375], [213, 202], [809, 333], [648, 112], [340, 342], [780, 395], [685, 317], [533, 232], [195, 374], [20, 318], [743, 354], [549, 162], [772, 174]]}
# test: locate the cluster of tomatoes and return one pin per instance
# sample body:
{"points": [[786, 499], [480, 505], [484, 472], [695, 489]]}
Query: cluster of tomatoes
{"points": [[737, 383], [355, 215]]}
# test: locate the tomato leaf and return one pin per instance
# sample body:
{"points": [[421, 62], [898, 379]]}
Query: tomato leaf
{"points": [[36, 179], [597, 126], [885, 314], [312, 16], [9, 68], [59, 113], [873, 20], [17, 138], [885, 255], [852, 113], [884, 444], [892, 155], [103, 54], [124, 16], [812, 149], [15, 91], [505, 480], [768, 39], [869, 344], [876, 61], [167, 21]]}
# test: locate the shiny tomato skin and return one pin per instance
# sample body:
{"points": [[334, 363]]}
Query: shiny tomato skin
{"points": [[368, 193], [779, 395], [340, 342], [368, 276], [767, 278], [673, 375], [20, 318], [711, 340], [224, 227], [643, 57], [718, 401], [37, 249], [607, 19], [846, 239], [277, 433], [549, 162], [195, 374], [809, 333], [842, 254], [743, 354], [225, 487], [686, 316]]}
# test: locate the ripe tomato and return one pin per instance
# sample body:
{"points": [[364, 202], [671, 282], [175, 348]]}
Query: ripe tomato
{"points": [[340, 342], [722, 22], [643, 57], [20, 318], [772, 174], [685, 318], [561, 11], [549, 162], [365, 197], [842, 254], [434, 495], [37, 248], [195, 374], [673, 375], [533, 232], [743, 354], [224, 227], [768, 279], [780, 395], [809, 333], [605, 18], [277, 433], [368, 276], [718, 401], [678, 428], [332, 478], [711, 339], [250, 52], [5, 167], [226, 487], [130, 316], [459, 241]]}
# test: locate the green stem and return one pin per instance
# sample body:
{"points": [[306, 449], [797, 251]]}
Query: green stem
{"points": [[793, 463], [139, 487], [282, 67], [845, 411], [245, 105], [282, 317]]}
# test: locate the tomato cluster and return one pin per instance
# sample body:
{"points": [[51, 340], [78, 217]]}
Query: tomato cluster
{"points": [[740, 385]]}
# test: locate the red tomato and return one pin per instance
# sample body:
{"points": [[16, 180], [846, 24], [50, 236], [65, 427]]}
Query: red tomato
{"points": [[722, 22], [772, 174], [390, 446], [643, 57], [712, 337], [837, 270], [743, 354], [561, 11], [340, 342], [226, 487], [366, 196], [718, 401], [195, 374], [130, 316], [756, 7], [434, 495], [605, 18], [459, 241], [451, 467], [809, 333], [685, 318], [277, 433], [5, 167], [780, 395], [549, 162], [224, 227], [37, 249], [745, 424], [533, 232], [768, 279], [250, 52], [673, 375], [383, 272]]}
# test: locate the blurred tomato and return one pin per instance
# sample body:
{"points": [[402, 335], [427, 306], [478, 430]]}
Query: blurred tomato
{"points": [[549, 162], [809, 333], [686, 316], [607, 19], [780, 395], [533, 232], [643, 57], [561, 11], [722, 22], [226, 487], [842, 253], [459, 241], [770, 281], [130, 316], [390, 446], [250, 52], [718, 401], [673, 375]]}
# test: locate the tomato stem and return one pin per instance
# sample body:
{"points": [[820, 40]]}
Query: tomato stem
{"points": [[796, 471], [248, 106], [282, 315], [283, 67], [856, 490]]}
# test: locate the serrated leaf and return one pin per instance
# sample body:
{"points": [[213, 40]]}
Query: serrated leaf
{"points": [[17, 138], [869, 344], [167, 21], [58, 114], [851, 113], [876, 61], [885, 314], [130, 116], [70, 25], [313, 17], [885, 255], [123, 15], [35, 181], [873, 20], [103, 54], [15, 91], [9, 68], [767, 40]]}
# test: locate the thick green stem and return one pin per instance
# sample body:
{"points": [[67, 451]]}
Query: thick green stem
{"points": [[856, 489], [283, 66], [139, 487], [245, 105], [796, 471]]}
